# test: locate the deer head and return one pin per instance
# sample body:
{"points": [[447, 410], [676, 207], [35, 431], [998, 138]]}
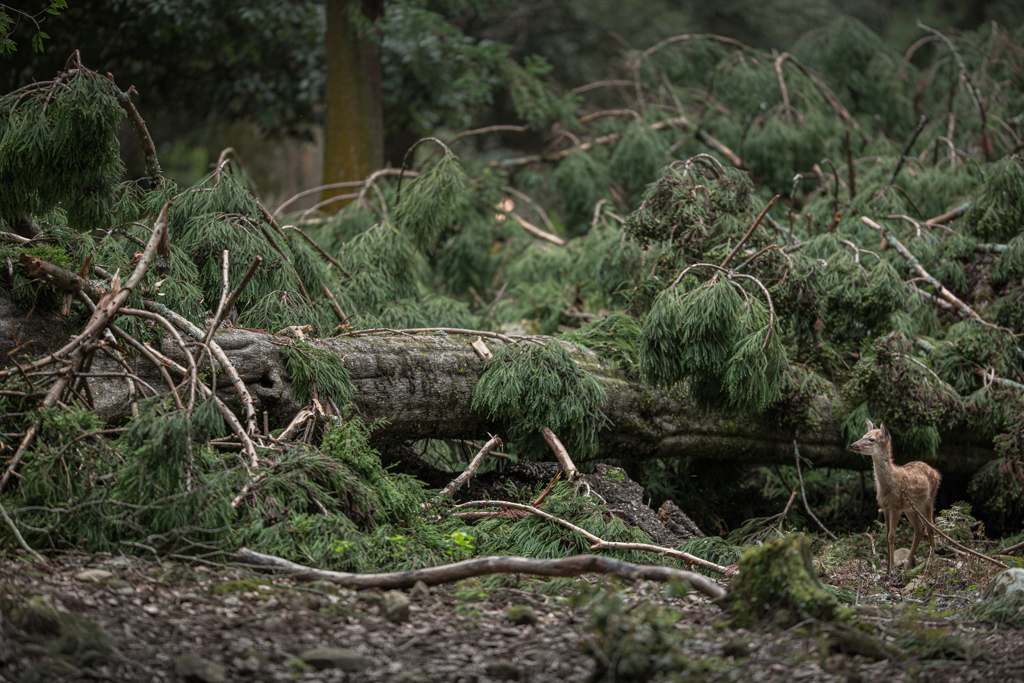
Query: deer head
{"points": [[875, 442]]}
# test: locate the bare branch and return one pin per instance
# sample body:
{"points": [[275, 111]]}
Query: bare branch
{"points": [[432, 576]]}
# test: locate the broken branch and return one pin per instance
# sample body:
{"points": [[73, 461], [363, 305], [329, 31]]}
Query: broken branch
{"points": [[449, 573]]}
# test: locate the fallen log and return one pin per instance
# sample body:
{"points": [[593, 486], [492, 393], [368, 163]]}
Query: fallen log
{"points": [[481, 566], [422, 386]]}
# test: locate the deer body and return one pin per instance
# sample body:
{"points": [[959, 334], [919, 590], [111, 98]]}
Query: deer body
{"points": [[901, 489]]}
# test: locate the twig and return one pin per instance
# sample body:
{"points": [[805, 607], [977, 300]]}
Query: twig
{"points": [[432, 576], [537, 232], [17, 534], [226, 305], [55, 392], [906, 150], [105, 311], [405, 160], [950, 215], [193, 371], [560, 453], [939, 531], [153, 169], [191, 330], [300, 419], [163, 362], [108, 306], [446, 330], [916, 266], [338, 310], [850, 167], [730, 275], [371, 181], [314, 244], [15, 238], [760, 217], [986, 143], [932, 296], [489, 129], [1012, 548], [785, 510], [782, 87], [61, 279], [547, 490], [598, 543], [831, 98], [470, 470], [534, 205], [803, 494]]}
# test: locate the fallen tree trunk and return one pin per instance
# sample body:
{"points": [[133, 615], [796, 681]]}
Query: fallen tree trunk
{"points": [[422, 386]]}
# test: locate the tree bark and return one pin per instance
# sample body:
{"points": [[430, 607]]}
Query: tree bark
{"points": [[422, 386], [354, 122]]}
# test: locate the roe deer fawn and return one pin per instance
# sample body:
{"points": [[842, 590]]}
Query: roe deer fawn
{"points": [[898, 487]]}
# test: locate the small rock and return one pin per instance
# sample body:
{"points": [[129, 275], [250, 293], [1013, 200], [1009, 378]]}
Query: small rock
{"points": [[193, 669], [250, 664], [395, 607], [419, 590], [116, 584], [324, 587], [119, 562], [522, 615], [335, 658], [1006, 583], [901, 556], [93, 575], [502, 670], [372, 597]]}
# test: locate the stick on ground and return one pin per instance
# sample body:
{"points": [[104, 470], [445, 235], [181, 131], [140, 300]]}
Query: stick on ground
{"points": [[432, 576]]}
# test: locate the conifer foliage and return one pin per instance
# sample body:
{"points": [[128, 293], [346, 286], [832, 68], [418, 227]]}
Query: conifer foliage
{"points": [[645, 233]]}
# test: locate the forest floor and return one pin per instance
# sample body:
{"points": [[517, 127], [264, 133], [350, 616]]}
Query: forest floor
{"points": [[190, 621]]}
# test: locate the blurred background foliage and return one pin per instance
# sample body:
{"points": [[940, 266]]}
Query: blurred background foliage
{"points": [[217, 74]]}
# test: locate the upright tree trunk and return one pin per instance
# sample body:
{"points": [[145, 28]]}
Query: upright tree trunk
{"points": [[354, 126]]}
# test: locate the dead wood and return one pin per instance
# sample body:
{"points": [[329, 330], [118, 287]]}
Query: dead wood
{"points": [[422, 384], [449, 573]]}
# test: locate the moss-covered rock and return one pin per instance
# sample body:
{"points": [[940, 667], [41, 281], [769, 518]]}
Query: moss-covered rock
{"points": [[778, 580], [73, 642]]}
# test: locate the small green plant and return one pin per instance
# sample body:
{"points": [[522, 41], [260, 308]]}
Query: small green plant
{"points": [[615, 475], [461, 544], [399, 548], [342, 546]]}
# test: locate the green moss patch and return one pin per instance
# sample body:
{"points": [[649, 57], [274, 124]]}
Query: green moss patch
{"points": [[778, 580]]}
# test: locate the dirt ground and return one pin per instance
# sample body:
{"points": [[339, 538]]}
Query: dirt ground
{"points": [[202, 622], [260, 627]]}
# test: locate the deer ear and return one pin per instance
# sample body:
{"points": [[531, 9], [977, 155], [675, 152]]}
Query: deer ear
{"points": [[870, 424], [885, 432]]}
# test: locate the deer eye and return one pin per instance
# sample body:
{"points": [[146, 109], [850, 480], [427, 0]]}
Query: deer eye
{"points": [[872, 439]]}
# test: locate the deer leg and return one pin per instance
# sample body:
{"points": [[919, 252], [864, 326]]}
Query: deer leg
{"points": [[915, 521], [892, 519], [931, 533]]}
